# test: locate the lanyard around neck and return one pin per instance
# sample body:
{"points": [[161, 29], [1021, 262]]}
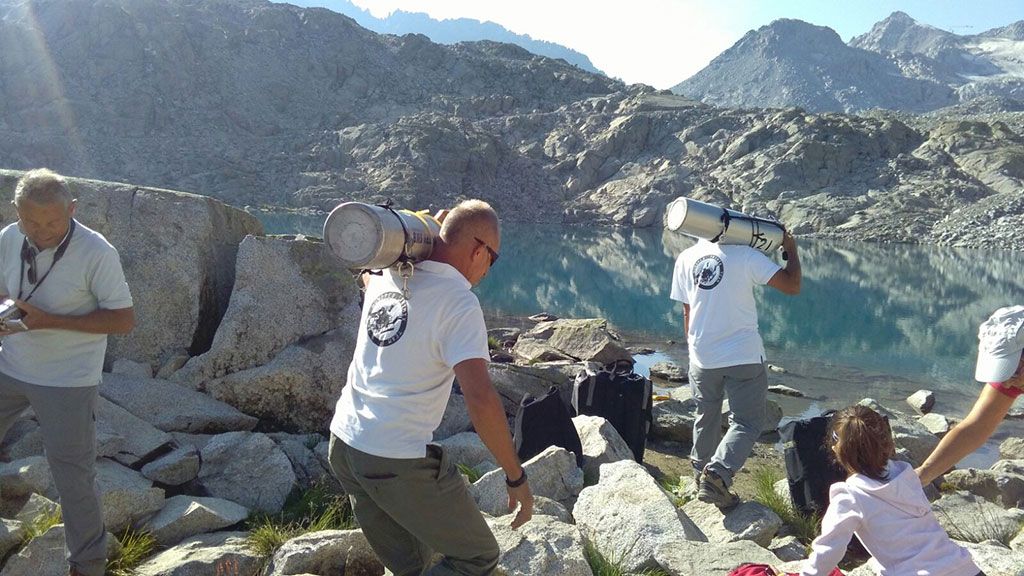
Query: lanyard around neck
{"points": [[61, 249]]}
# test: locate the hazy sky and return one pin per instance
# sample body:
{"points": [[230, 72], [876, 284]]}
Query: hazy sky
{"points": [[662, 42]]}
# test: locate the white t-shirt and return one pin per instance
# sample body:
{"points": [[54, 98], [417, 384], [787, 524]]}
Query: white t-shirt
{"points": [[717, 282], [86, 278], [403, 366]]}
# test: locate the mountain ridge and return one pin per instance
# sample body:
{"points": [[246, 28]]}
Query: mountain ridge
{"points": [[451, 30]]}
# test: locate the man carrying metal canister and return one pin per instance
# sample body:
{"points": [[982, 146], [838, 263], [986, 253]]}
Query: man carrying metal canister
{"points": [[416, 334], [715, 284]]}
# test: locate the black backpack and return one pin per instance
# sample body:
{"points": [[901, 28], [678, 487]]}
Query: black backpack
{"points": [[620, 396], [810, 468], [542, 422]]}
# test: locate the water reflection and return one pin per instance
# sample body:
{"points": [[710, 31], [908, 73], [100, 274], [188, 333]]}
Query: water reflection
{"points": [[904, 310]]}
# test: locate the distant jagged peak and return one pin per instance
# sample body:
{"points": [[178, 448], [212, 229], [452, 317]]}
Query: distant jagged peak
{"points": [[899, 32], [1013, 31]]}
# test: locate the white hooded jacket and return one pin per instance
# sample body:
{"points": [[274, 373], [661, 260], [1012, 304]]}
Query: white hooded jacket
{"points": [[894, 521]]}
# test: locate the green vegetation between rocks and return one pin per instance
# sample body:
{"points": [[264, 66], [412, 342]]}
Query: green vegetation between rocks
{"points": [[600, 565], [40, 524], [136, 546], [469, 472], [804, 527], [319, 508]]}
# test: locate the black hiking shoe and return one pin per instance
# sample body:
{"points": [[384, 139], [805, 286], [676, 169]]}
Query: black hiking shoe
{"points": [[714, 491]]}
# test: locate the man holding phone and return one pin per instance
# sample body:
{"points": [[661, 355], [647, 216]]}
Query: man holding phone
{"points": [[68, 284]]}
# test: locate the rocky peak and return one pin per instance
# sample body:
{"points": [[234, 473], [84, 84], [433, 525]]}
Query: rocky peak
{"points": [[1014, 31], [901, 33]]}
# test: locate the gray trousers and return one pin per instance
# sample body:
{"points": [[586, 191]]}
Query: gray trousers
{"points": [[66, 421], [747, 389], [410, 508]]}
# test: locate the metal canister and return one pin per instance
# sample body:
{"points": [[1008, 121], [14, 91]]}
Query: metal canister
{"points": [[722, 225], [371, 237]]}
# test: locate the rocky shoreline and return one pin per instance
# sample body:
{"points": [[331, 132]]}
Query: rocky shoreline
{"points": [[212, 416]]}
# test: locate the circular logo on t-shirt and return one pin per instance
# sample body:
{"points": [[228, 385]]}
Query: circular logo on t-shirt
{"points": [[708, 271], [387, 318]]}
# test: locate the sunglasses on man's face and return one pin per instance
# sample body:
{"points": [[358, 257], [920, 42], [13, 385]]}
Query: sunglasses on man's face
{"points": [[490, 251]]}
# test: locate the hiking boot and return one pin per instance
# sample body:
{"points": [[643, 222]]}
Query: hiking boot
{"points": [[714, 491]]}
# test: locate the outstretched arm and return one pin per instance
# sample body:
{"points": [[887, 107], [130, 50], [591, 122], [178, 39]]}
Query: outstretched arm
{"points": [[488, 417], [967, 436]]}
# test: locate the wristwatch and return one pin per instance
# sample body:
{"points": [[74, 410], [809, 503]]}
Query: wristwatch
{"points": [[516, 483]]}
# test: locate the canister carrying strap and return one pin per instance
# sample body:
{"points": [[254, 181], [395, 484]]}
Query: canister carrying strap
{"points": [[727, 218]]}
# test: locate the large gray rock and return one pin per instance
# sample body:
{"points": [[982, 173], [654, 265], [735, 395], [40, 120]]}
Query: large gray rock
{"points": [[747, 521], [602, 444], [673, 420], [969, 517], [997, 486], [936, 424], [175, 468], [125, 495], [513, 382], [994, 560], [132, 439], [27, 476], [172, 407], [37, 506], [585, 339], [309, 470], [46, 555], [465, 448], [327, 552], [543, 545], [11, 534], [247, 468], [1012, 449], [186, 516], [552, 473], [709, 559], [628, 516], [455, 420], [178, 253], [204, 555], [306, 295], [309, 374], [23, 439]]}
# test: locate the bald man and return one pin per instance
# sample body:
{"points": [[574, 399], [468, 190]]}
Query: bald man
{"points": [[414, 338]]}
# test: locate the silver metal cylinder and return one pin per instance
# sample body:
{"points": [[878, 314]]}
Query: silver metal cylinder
{"points": [[366, 236], [721, 225]]}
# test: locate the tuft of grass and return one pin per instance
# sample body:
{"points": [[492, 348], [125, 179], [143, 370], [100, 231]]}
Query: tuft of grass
{"points": [[990, 527], [600, 565], [471, 474], [40, 524], [805, 528], [317, 509], [493, 343], [136, 546]]}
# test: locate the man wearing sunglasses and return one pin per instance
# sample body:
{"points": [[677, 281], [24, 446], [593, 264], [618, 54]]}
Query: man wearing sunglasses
{"points": [[415, 336], [68, 283]]}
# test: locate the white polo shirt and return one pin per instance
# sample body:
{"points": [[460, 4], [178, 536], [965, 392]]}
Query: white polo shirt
{"points": [[717, 282], [403, 366], [86, 278]]}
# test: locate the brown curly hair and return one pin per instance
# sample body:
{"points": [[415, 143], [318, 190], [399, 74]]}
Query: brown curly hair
{"points": [[862, 441]]}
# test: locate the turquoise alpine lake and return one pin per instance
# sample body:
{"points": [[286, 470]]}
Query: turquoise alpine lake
{"points": [[872, 320]]}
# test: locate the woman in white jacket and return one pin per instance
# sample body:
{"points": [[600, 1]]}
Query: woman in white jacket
{"points": [[882, 502]]}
